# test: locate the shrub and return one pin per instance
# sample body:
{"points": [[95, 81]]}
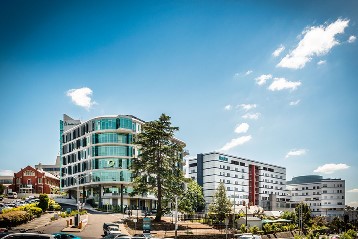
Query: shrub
{"points": [[44, 202], [35, 211], [54, 206], [267, 228], [352, 233], [254, 229], [243, 228], [14, 218]]}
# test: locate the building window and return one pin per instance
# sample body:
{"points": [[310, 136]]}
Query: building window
{"points": [[29, 173], [39, 180]]}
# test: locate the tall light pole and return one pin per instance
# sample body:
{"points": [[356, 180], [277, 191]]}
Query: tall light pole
{"points": [[176, 217], [78, 193]]}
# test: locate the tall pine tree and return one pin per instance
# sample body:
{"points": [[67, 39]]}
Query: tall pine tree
{"points": [[221, 204], [158, 169]]}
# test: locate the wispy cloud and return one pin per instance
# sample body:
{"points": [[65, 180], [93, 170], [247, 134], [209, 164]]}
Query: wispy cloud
{"points": [[321, 62], [236, 142], [331, 168], [242, 128], [316, 41], [81, 97], [296, 152], [5, 172], [253, 116], [262, 79], [352, 39], [278, 51], [248, 72], [355, 190], [228, 107], [296, 102], [283, 84], [247, 107]]}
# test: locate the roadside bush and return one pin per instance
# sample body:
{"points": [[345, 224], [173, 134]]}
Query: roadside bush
{"points": [[14, 218], [73, 213], [243, 228], [21, 208], [35, 211], [44, 202], [254, 229], [54, 206]]}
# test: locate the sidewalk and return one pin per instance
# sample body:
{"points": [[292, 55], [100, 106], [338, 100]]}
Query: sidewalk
{"points": [[44, 220]]}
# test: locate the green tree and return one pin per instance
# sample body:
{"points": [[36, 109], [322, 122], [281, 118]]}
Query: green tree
{"points": [[221, 205], [44, 201], [158, 169], [304, 211], [289, 216], [2, 188], [337, 224], [192, 199]]}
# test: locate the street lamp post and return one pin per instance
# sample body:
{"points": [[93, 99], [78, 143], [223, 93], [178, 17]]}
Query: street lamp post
{"points": [[176, 217], [79, 205]]}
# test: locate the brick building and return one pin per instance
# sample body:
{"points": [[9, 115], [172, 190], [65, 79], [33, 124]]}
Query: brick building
{"points": [[31, 180]]}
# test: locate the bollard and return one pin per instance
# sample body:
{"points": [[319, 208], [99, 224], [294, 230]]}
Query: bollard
{"points": [[70, 221], [80, 225]]}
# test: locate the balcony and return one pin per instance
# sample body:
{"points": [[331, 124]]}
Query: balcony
{"points": [[26, 186]]}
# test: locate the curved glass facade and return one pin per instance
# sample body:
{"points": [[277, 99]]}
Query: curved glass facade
{"points": [[111, 176], [101, 147]]}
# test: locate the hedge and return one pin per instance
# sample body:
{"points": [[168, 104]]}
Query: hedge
{"points": [[14, 218], [32, 209]]}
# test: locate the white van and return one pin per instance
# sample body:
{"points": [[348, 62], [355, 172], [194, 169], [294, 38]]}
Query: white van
{"points": [[12, 195]]}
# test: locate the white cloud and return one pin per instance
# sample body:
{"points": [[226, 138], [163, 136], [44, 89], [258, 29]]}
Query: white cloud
{"points": [[248, 72], [321, 62], [282, 84], [247, 107], [228, 107], [331, 168], [262, 79], [278, 51], [352, 39], [81, 97], [5, 172], [236, 142], [242, 128], [295, 152], [295, 102], [316, 41], [253, 116], [355, 190]]}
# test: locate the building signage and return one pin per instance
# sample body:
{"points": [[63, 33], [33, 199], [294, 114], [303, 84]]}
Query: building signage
{"points": [[222, 158], [146, 225], [68, 124]]}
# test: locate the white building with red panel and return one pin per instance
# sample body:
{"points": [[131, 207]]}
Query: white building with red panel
{"points": [[245, 180]]}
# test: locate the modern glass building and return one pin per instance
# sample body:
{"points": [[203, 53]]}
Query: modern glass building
{"points": [[95, 159]]}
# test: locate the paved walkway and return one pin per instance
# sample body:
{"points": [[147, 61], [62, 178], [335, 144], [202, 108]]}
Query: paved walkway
{"points": [[44, 220]]}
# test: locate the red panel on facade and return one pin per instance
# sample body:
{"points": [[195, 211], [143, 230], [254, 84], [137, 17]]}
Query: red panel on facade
{"points": [[252, 184]]}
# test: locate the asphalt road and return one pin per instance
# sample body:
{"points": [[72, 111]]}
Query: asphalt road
{"points": [[93, 229]]}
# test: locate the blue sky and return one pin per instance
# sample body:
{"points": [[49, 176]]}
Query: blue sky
{"points": [[272, 81]]}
